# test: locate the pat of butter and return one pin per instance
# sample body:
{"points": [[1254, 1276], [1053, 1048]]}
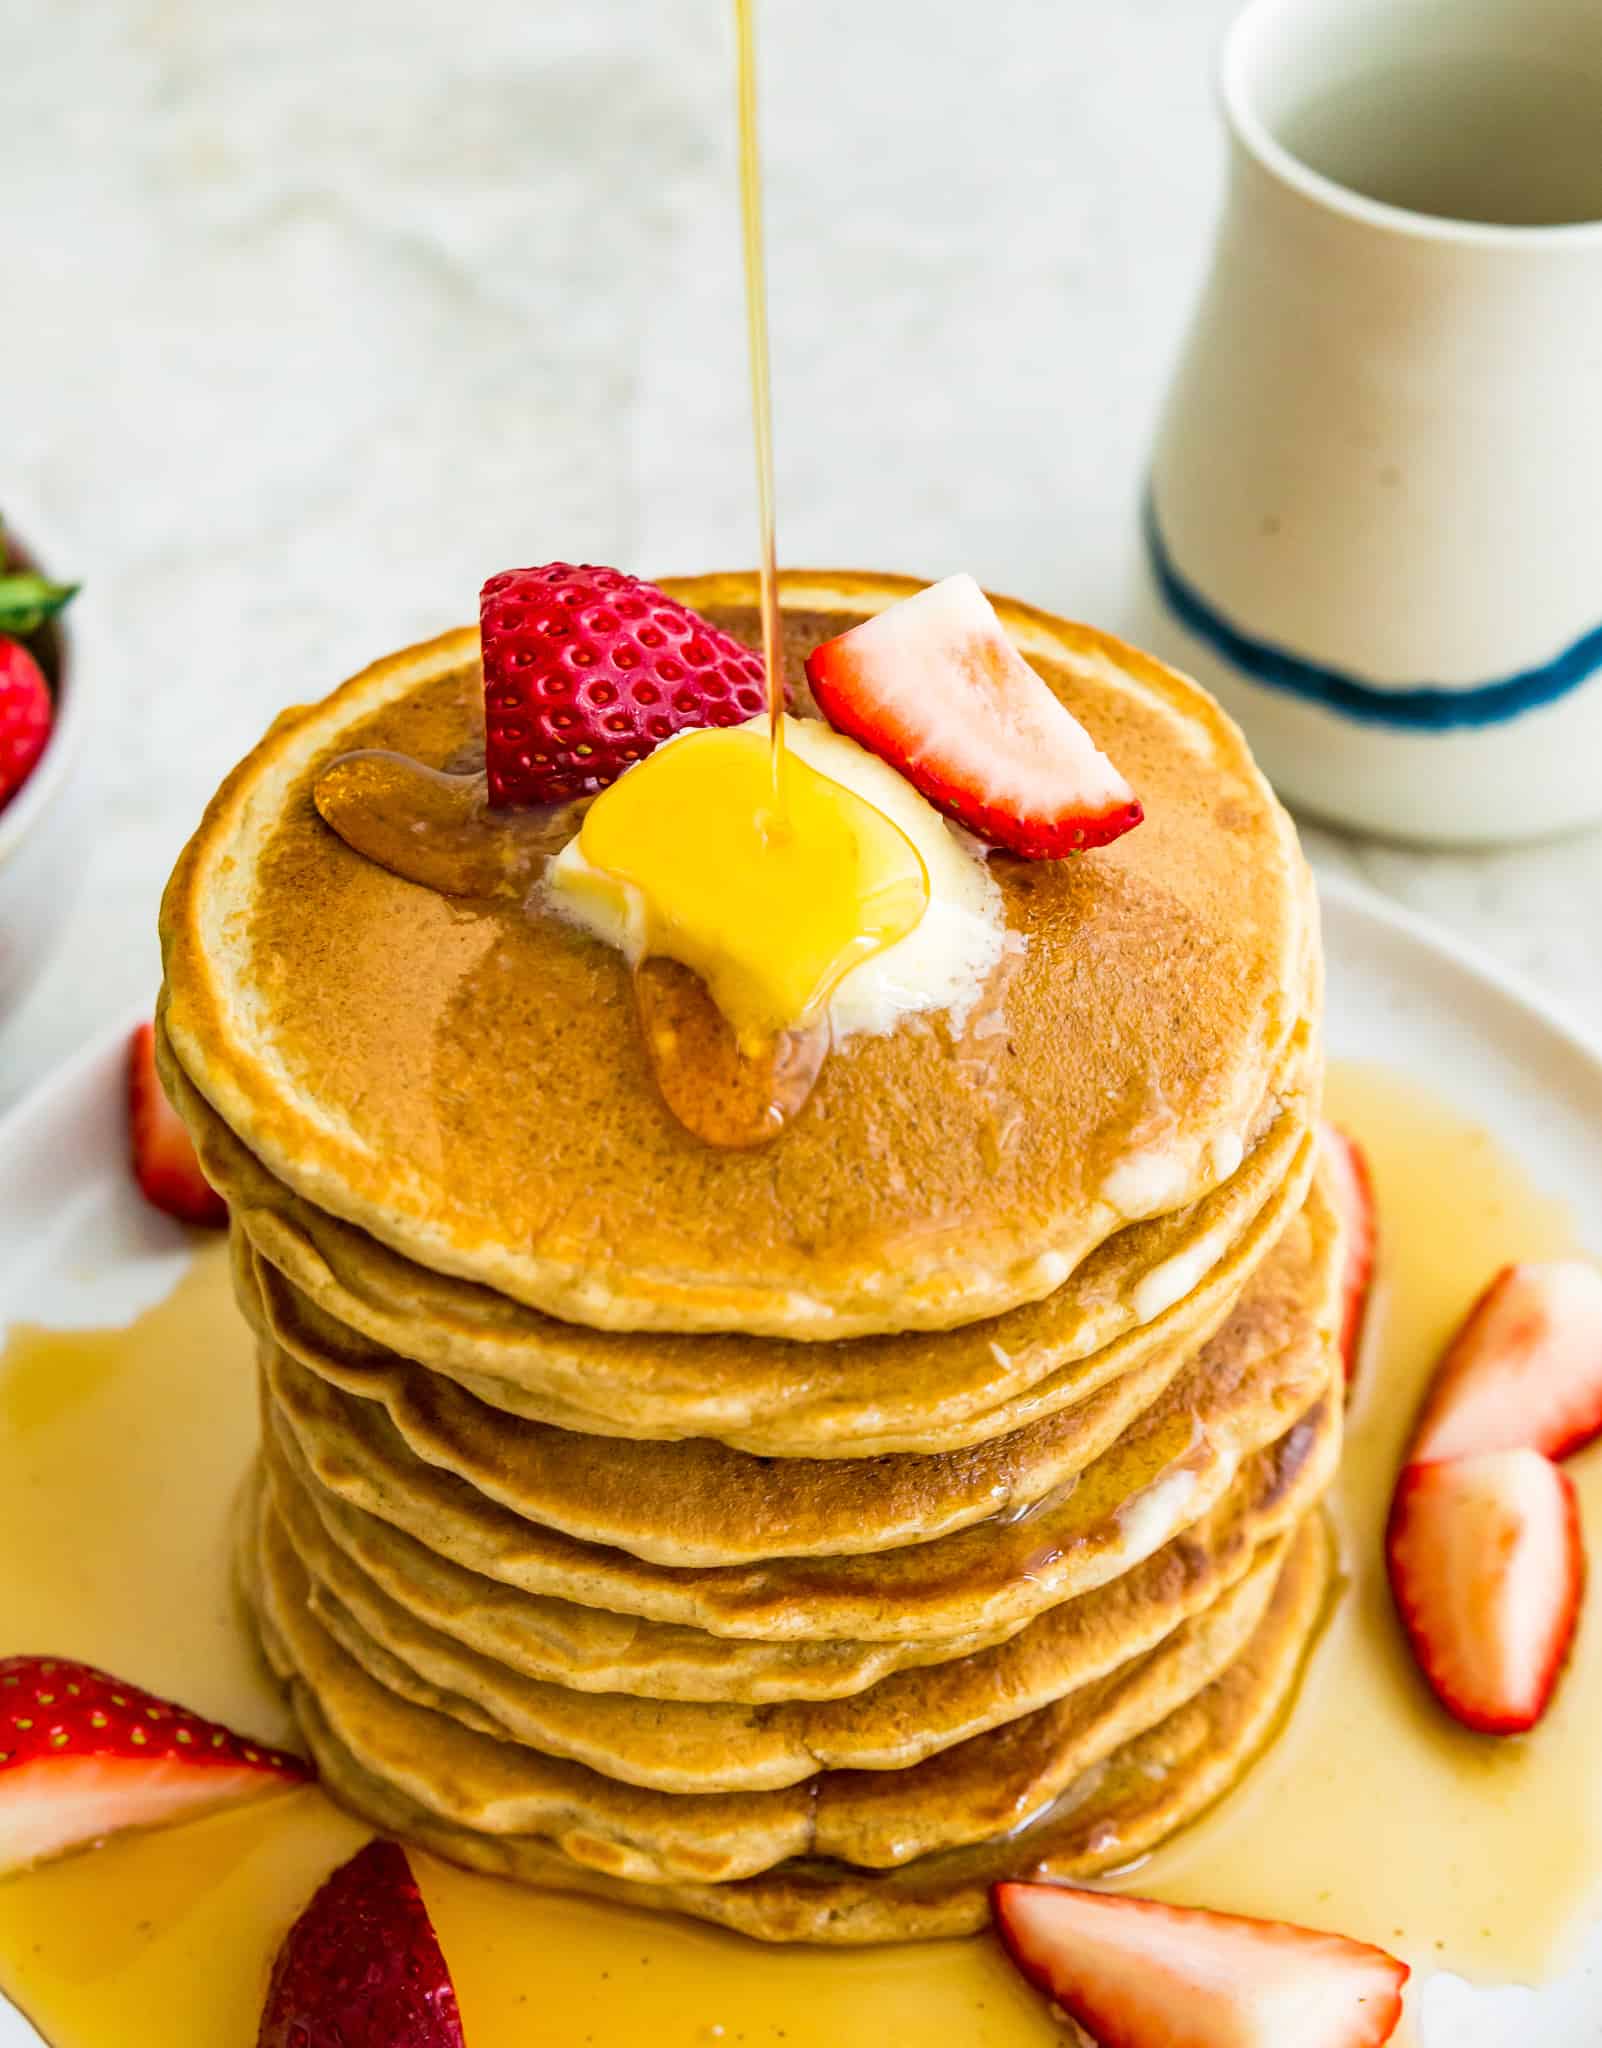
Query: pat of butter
{"points": [[870, 906], [769, 906]]}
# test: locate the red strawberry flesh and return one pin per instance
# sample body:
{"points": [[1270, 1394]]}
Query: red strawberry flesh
{"points": [[586, 671], [26, 715], [936, 688], [362, 1966], [1487, 1569], [1135, 1974], [83, 1755], [163, 1154], [1353, 1190], [1524, 1369]]}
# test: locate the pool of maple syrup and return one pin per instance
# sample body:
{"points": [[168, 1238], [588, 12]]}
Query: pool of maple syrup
{"points": [[120, 1452], [1375, 1814]]}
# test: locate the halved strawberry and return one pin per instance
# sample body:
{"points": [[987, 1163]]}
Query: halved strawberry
{"points": [[1487, 1568], [935, 687], [1525, 1368], [586, 671], [82, 1756], [1353, 1189], [164, 1161], [362, 1966], [1136, 1974]]}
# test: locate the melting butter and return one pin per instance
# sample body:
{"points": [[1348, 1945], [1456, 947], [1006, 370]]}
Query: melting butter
{"points": [[687, 853], [863, 905]]}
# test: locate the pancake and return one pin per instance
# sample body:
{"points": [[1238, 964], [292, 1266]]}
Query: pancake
{"points": [[688, 1749], [733, 1746], [697, 1502], [378, 1569], [1116, 1812], [1269, 1365], [1155, 1283], [585, 1648], [467, 1083], [471, 1775], [1165, 1475]]}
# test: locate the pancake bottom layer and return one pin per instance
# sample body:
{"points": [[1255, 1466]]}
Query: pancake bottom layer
{"points": [[1119, 1809], [1065, 1732]]}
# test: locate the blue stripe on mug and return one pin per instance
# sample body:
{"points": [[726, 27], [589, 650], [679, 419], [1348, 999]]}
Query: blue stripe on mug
{"points": [[1421, 707]]}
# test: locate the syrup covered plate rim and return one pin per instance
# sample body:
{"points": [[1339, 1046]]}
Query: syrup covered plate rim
{"points": [[78, 1248]]}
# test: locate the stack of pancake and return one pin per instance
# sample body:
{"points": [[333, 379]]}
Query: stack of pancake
{"points": [[798, 1537]]}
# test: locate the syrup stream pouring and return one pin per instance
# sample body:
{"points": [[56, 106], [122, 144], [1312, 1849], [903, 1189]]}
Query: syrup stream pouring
{"points": [[756, 319]]}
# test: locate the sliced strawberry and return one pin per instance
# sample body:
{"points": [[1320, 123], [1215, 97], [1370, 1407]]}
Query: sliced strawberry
{"points": [[362, 1966], [82, 1756], [1487, 1567], [1139, 1975], [164, 1161], [1353, 1189], [935, 687], [26, 714], [1524, 1369], [587, 671]]}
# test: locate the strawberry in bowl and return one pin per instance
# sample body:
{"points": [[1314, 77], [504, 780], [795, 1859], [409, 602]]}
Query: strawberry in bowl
{"points": [[31, 660], [42, 727]]}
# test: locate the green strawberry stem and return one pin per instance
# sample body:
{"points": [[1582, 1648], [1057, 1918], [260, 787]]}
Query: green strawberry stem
{"points": [[27, 601]]}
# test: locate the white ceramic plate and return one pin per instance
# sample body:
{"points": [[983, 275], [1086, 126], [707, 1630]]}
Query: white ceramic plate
{"points": [[78, 1247]]}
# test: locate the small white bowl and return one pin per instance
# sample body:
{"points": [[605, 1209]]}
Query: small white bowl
{"points": [[42, 855]]}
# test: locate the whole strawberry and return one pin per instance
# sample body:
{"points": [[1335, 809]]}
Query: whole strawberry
{"points": [[27, 602], [587, 671], [26, 714], [362, 1967]]}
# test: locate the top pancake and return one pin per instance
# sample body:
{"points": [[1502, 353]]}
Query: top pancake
{"points": [[467, 1082]]}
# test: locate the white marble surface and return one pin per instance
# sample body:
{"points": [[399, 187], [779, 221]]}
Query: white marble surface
{"points": [[320, 311]]}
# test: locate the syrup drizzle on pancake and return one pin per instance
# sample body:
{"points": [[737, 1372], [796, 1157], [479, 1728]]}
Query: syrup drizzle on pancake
{"points": [[438, 829], [722, 1093], [756, 322]]}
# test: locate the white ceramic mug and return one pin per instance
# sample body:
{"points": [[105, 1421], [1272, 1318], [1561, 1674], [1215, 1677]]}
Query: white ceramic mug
{"points": [[1374, 524]]}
